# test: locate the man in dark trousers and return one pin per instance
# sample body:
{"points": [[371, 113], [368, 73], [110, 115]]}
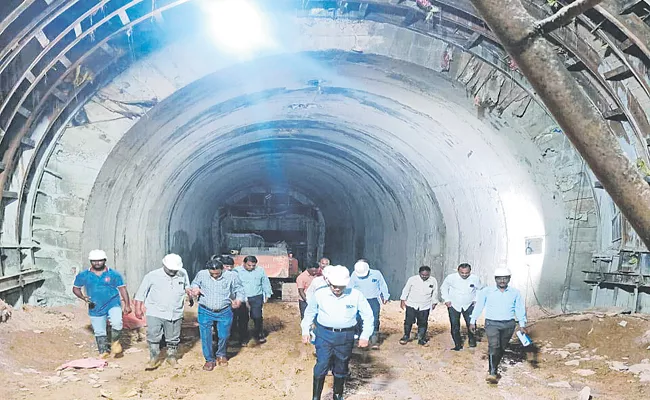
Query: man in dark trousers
{"points": [[502, 305], [419, 297], [104, 287], [335, 309], [257, 289], [302, 282], [458, 291]]}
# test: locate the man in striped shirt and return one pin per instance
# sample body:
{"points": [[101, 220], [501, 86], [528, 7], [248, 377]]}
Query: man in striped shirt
{"points": [[219, 292]]}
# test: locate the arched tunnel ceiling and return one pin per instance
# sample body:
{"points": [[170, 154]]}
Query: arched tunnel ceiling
{"points": [[56, 55]]}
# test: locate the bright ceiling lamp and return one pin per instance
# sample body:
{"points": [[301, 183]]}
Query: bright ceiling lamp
{"points": [[236, 25]]}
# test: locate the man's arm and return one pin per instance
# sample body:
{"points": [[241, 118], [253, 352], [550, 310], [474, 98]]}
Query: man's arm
{"points": [[141, 296], [237, 288], [405, 293], [266, 286], [478, 307], [436, 293], [80, 282], [383, 288], [310, 313], [121, 287], [444, 291], [365, 312], [520, 311]]}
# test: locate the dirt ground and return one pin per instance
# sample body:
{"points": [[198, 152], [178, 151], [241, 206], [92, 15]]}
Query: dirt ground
{"points": [[614, 359]]}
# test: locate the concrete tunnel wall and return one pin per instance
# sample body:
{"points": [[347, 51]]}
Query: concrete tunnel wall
{"points": [[393, 154]]}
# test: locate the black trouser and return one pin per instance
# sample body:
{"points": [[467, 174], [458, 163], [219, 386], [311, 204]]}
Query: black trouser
{"points": [[303, 306], [454, 319], [499, 334], [375, 306], [243, 314], [422, 318]]}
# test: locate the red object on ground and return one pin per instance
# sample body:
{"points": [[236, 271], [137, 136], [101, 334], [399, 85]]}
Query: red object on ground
{"points": [[85, 363]]}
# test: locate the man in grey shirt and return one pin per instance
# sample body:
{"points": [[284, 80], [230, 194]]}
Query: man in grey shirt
{"points": [[219, 292], [162, 293]]}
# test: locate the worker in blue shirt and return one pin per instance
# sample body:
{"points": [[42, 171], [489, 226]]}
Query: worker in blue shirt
{"points": [[104, 287], [371, 283], [335, 309], [257, 289], [502, 305]]}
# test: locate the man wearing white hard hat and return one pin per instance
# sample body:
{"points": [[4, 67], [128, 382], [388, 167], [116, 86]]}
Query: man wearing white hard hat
{"points": [[318, 283], [502, 305], [104, 286], [162, 294], [335, 311], [372, 284]]}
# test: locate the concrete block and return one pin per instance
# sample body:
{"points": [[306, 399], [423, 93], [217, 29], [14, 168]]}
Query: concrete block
{"points": [[290, 292]]}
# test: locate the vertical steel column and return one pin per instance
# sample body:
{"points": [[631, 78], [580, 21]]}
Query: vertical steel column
{"points": [[582, 123]]}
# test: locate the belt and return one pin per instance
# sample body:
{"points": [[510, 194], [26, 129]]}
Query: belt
{"points": [[352, 328], [212, 309]]}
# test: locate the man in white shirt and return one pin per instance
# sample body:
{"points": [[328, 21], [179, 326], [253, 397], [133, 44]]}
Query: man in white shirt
{"points": [[419, 296], [458, 291], [335, 312]]}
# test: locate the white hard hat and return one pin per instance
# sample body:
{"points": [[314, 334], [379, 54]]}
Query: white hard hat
{"points": [[96, 255], [361, 269], [326, 270], [173, 262], [338, 275], [502, 272]]}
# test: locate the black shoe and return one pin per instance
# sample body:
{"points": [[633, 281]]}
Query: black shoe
{"points": [[404, 340], [424, 343], [472, 344], [457, 348]]}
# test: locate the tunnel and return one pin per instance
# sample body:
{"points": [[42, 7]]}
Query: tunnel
{"points": [[384, 134]]}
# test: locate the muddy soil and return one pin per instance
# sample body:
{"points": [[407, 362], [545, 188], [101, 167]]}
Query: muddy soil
{"points": [[35, 341]]}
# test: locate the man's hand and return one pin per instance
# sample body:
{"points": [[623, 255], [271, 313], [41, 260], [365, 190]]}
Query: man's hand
{"points": [[402, 304], [127, 309], [384, 301], [433, 307], [363, 343], [248, 305], [448, 304], [138, 313], [472, 328], [236, 303], [265, 299], [195, 292], [305, 339]]}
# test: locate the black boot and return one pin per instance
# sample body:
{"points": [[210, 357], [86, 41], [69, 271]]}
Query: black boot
{"points": [[458, 340], [317, 387], [259, 330], [116, 346], [493, 366], [471, 338], [422, 336], [102, 346], [338, 388], [407, 335]]}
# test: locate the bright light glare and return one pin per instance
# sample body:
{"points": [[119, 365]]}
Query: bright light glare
{"points": [[236, 25]]}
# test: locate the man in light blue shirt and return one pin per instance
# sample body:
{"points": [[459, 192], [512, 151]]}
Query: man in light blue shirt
{"points": [[371, 283], [257, 288], [335, 309], [219, 292], [458, 292], [502, 304]]}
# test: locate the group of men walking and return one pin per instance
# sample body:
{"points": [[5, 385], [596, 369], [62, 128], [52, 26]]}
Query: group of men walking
{"points": [[226, 296], [336, 309]]}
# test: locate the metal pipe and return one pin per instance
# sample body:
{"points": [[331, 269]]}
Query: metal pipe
{"points": [[577, 116], [565, 15]]}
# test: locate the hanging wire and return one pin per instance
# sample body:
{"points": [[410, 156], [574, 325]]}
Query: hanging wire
{"points": [[572, 253]]}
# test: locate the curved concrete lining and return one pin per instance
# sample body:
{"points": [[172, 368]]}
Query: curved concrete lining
{"points": [[396, 167]]}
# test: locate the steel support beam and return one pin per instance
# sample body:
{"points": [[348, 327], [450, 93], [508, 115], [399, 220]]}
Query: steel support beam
{"points": [[575, 113], [566, 14]]}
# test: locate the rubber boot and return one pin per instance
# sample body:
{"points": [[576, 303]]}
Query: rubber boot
{"points": [[154, 354], [492, 369], [422, 336], [317, 388], [458, 341], [407, 335], [338, 388], [102, 346], [471, 338], [258, 326], [172, 351], [116, 346]]}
